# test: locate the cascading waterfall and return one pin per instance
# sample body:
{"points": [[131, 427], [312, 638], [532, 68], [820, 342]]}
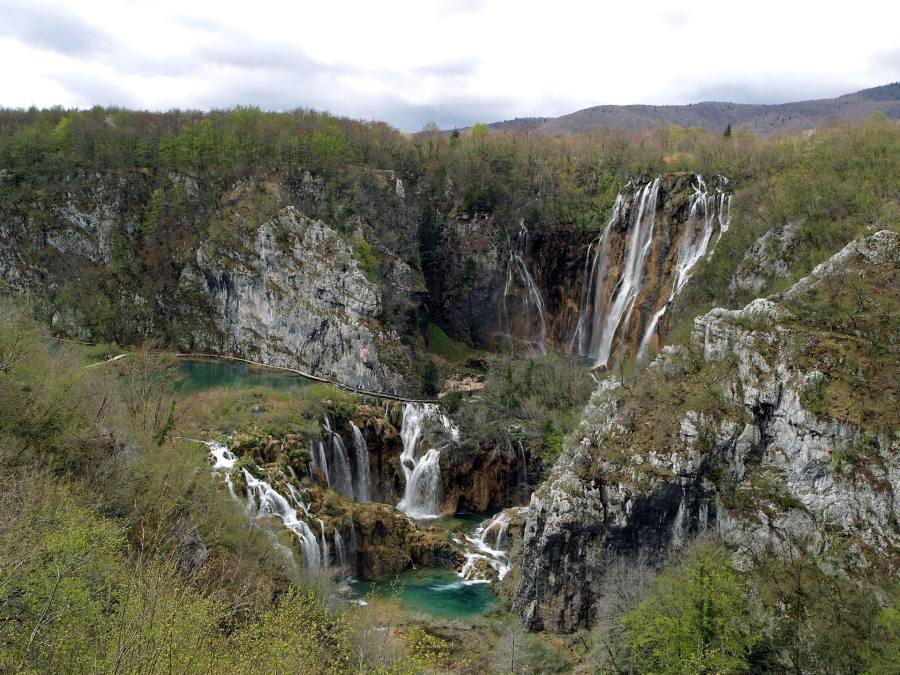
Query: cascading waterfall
{"points": [[361, 455], [609, 294], [421, 494], [264, 500], [223, 460], [342, 479], [495, 530], [323, 544], [707, 210], [524, 320]]}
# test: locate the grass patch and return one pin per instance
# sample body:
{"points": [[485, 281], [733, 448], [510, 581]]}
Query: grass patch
{"points": [[441, 344]]}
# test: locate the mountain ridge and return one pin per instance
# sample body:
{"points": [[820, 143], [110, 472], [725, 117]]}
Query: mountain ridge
{"points": [[763, 118]]}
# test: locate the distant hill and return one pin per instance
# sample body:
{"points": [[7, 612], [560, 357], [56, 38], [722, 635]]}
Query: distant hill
{"points": [[716, 115]]}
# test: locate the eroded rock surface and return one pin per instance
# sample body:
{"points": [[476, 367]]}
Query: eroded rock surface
{"points": [[735, 435]]}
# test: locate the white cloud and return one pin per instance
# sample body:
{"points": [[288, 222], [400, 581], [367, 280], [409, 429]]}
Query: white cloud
{"points": [[451, 61]]}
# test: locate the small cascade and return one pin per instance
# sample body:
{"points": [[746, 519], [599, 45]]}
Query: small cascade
{"points": [[523, 465], [223, 460], [264, 500], [323, 544], [489, 541], [522, 318], [341, 479], [317, 453], [361, 455], [340, 551], [421, 495]]}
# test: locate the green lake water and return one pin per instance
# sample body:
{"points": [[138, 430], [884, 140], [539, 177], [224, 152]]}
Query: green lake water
{"points": [[433, 591], [202, 374]]}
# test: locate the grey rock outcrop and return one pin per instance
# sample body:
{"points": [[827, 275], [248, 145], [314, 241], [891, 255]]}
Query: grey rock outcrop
{"points": [[292, 294], [757, 465]]}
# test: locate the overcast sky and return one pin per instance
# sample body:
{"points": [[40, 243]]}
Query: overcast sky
{"points": [[453, 62]]}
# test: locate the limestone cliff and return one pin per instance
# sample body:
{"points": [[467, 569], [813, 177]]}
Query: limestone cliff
{"points": [[776, 428], [292, 294]]}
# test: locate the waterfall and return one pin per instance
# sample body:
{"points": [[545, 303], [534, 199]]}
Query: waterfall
{"points": [[706, 212], [317, 453], [593, 291], [339, 549], [354, 539], [629, 284], [265, 500], [323, 544], [523, 465], [523, 321], [223, 460], [609, 295], [361, 455], [342, 480], [421, 494], [494, 555]]}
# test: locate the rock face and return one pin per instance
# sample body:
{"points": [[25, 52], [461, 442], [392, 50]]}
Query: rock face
{"points": [[766, 259], [761, 431], [292, 294], [482, 479], [259, 280]]}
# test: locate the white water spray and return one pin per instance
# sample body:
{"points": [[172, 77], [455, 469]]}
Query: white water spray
{"points": [[264, 500], [489, 541]]}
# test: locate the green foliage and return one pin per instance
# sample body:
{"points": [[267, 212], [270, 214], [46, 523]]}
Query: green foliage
{"points": [[696, 619], [443, 345], [431, 378], [535, 401], [298, 635], [883, 655], [362, 251]]}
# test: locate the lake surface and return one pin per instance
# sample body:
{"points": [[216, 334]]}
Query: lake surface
{"points": [[434, 591], [201, 374]]}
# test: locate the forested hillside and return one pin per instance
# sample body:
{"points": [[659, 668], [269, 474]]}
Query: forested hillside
{"points": [[638, 389]]}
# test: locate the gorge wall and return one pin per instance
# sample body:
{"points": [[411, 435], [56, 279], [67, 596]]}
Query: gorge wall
{"points": [[774, 429]]}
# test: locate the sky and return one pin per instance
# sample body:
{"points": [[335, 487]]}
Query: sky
{"points": [[452, 62]]}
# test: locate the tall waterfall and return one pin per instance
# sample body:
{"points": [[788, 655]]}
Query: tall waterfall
{"points": [[263, 499], [341, 479], [422, 471], [708, 212], [626, 290], [361, 455], [610, 291], [522, 318]]}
